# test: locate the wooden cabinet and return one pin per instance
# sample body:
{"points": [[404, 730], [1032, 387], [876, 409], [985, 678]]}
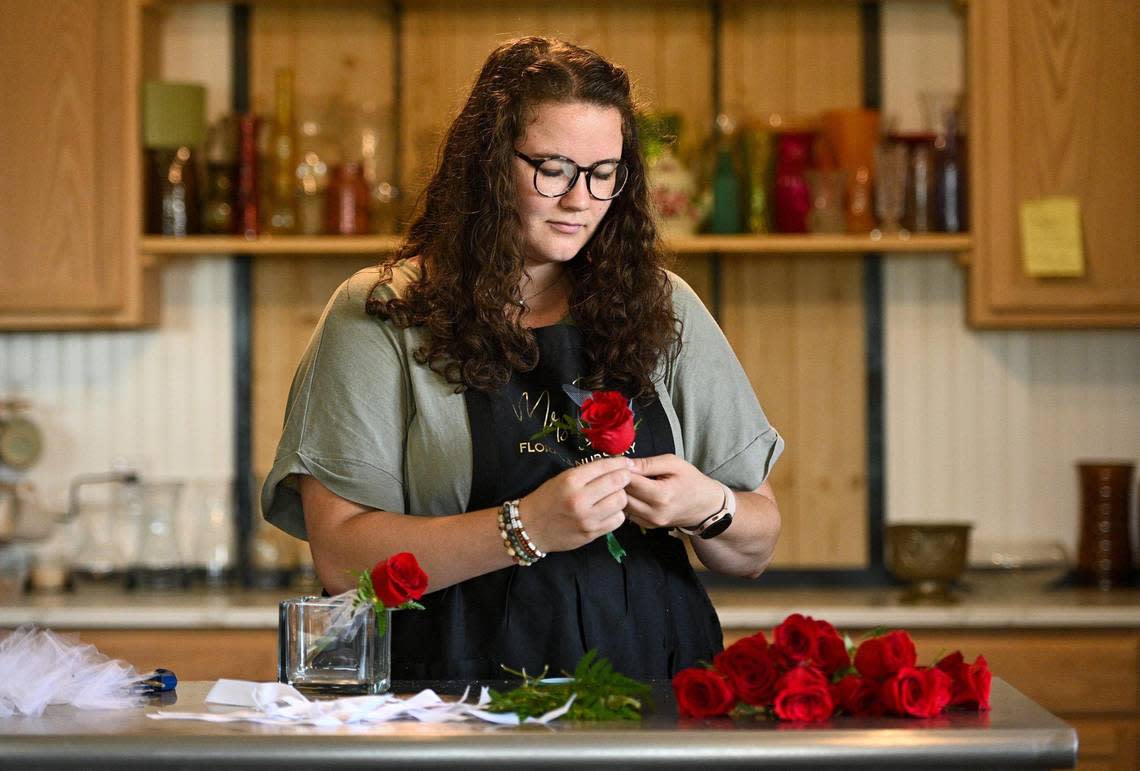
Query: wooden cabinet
{"points": [[68, 231], [1090, 678], [1053, 111], [192, 654]]}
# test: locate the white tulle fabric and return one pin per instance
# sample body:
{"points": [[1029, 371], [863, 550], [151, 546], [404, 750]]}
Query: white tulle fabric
{"points": [[39, 667]]}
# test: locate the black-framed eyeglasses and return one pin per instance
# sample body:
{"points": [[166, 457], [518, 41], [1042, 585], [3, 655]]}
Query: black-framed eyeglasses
{"points": [[555, 175]]}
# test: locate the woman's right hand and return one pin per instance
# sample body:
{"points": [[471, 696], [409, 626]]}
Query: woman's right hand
{"points": [[578, 505]]}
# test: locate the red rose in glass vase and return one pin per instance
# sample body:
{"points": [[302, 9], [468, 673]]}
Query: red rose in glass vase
{"points": [[398, 580]]}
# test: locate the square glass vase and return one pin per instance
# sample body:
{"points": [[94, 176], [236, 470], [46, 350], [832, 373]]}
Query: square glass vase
{"points": [[319, 662]]}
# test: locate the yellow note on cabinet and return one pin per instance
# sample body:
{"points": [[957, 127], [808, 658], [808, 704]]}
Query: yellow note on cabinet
{"points": [[1051, 237]]}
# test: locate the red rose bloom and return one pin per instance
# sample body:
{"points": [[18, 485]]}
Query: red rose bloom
{"points": [[608, 422], [803, 694], [882, 656], [830, 651], [399, 579], [913, 692], [796, 636], [858, 696], [970, 683], [702, 693], [752, 669]]}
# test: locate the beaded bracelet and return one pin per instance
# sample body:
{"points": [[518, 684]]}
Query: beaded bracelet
{"points": [[515, 538], [520, 539], [511, 541]]}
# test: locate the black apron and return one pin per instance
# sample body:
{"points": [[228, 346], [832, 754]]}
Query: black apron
{"points": [[648, 615]]}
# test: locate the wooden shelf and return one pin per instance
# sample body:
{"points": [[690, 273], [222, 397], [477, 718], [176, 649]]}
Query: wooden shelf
{"points": [[820, 244], [163, 245], [700, 244]]}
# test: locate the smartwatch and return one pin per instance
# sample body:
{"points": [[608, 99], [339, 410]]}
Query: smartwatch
{"points": [[717, 522]]}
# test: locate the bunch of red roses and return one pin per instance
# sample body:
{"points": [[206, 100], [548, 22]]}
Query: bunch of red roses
{"points": [[809, 673]]}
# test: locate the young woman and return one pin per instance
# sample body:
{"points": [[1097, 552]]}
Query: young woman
{"points": [[531, 274]]}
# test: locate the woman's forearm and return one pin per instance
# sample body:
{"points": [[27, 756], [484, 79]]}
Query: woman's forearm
{"points": [[346, 538], [746, 547]]}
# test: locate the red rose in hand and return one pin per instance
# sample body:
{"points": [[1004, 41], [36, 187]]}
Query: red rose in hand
{"points": [[796, 637], [702, 693], [608, 422], [970, 683], [803, 694], [858, 696], [399, 579], [830, 651], [916, 692], [882, 656], [752, 669]]}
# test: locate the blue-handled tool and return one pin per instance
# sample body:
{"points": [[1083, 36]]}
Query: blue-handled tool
{"points": [[161, 681]]}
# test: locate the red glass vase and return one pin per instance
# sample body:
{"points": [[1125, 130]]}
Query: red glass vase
{"points": [[792, 199]]}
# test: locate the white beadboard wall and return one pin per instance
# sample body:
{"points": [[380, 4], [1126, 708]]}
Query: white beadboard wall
{"points": [[158, 400], [986, 426]]}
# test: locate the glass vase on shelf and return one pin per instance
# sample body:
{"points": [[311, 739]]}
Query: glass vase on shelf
{"points": [[890, 186], [756, 141], [851, 135], [249, 176], [173, 128], [347, 201], [672, 187], [317, 152], [280, 207], [369, 140], [827, 210], [792, 194], [727, 180], [219, 209], [943, 110], [918, 211]]}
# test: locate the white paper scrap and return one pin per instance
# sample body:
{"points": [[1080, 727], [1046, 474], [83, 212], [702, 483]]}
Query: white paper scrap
{"points": [[280, 704]]}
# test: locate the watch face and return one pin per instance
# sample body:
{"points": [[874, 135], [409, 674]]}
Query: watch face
{"points": [[718, 527]]}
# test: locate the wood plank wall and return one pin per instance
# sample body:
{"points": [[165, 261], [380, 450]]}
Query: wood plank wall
{"points": [[795, 322]]}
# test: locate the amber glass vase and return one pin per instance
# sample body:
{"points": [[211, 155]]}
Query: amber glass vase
{"points": [[1105, 553]]}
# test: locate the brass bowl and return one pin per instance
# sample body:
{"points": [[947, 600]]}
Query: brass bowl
{"points": [[929, 556]]}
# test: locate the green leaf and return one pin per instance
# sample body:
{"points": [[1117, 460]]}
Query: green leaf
{"points": [[600, 693], [616, 550]]}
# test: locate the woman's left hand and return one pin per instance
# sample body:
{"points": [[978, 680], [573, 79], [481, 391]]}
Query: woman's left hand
{"points": [[668, 491]]}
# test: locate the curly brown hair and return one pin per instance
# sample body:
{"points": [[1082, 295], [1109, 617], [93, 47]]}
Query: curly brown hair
{"points": [[468, 234]]}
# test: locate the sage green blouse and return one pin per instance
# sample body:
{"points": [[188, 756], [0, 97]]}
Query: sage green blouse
{"points": [[381, 430]]}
